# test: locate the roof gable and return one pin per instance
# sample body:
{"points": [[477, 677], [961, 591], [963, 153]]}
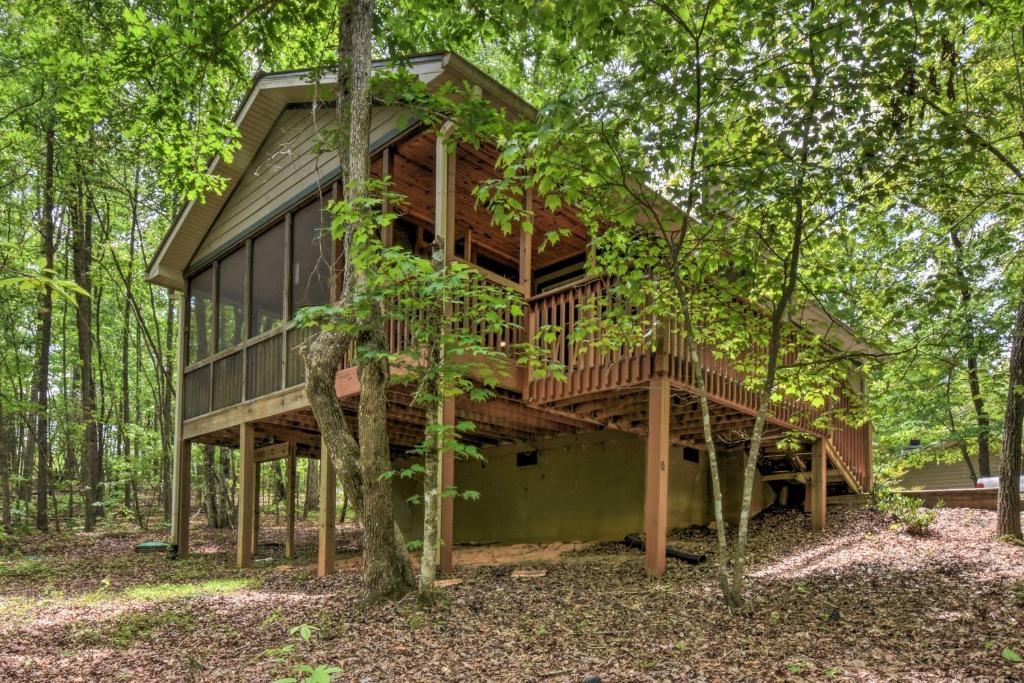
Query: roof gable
{"points": [[268, 100]]}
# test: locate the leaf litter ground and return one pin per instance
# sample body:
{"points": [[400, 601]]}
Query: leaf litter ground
{"points": [[859, 601]]}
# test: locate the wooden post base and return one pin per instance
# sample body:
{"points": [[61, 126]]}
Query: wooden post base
{"points": [[656, 482]]}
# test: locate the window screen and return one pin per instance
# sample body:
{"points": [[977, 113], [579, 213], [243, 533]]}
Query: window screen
{"points": [[311, 257], [267, 307], [230, 300], [200, 310]]}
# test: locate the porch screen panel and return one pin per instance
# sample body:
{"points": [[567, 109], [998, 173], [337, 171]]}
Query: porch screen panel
{"points": [[297, 337], [231, 300], [312, 253], [197, 392], [264, 372], [268, 259], [227, 381], [200, 311]]}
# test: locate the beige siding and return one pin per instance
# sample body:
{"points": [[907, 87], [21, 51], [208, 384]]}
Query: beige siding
{"points": [[934, 475], [290, 164], [584, 487]]}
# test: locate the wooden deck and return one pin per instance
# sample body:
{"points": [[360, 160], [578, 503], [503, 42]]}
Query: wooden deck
{"points": [[251, 395], [601, 390]]}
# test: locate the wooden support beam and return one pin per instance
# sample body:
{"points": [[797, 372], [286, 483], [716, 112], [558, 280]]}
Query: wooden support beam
{"points": [[526, 249], [284, 401], [289, 534], [785, 476], [818, 485], [181, 491], [447, 503], [656, 481], [181, 497], [444, 196], [246, 492], [274, 451], [444, 225], [254, 542], [387, 234], [328, 504]]}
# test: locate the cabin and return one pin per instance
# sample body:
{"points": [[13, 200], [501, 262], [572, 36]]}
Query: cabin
{"points": [[616, 447]]}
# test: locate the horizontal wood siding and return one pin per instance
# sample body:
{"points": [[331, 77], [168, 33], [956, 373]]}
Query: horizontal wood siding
{"points": [[292, 162], [944, 475]]}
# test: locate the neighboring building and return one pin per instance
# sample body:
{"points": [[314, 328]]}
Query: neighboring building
{"points": [[945, 475], [615, 448]]}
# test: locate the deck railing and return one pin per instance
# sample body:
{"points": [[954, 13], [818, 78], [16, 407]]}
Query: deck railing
{"points": [[593, 371], [588, 369], [271, 362]]}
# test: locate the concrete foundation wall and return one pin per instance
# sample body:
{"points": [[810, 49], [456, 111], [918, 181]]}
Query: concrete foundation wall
{"points": [[584, 487], [730, 467]]}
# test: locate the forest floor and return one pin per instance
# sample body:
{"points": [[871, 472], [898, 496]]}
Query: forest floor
{"points": [[859, 601]]}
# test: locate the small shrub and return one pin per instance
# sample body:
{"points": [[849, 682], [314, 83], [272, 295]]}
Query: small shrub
{"points": [[905, 511]]}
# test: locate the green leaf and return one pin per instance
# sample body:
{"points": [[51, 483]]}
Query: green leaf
{"points": [[1011, 656]]}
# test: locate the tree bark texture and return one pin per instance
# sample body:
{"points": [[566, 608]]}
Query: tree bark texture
{"points": [[973, 377], [81, 218], [1008, 512], [42, 383], [387, 573]]}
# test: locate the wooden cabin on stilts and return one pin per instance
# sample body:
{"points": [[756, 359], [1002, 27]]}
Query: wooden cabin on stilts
{"points": [[615, 448]]}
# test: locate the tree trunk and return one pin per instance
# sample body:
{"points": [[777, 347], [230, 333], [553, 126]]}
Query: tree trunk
{"points": [[81, 218], [166, 415], [386, 570], [973, 379], [716, 481], [225, 513], [791, 274], [6, 453], [1009, 472], [952, 430], [311, 501], [210, 487], [42, 387], [343, 515], [433, 454]]}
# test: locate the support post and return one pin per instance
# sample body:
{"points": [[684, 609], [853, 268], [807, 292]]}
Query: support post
{"points": [[181, 497], [387, 234], [444, 193], [181, 487], [526, 249], [818, 485], [328, 486], [444, 224], [656, 482], [447, 480], [289, 534], [255, 540], [246, 491]]}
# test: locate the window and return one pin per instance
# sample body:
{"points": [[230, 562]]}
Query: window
{"points": [[691, 454], [267, 302], [230, 300], [200, 311], [312, 251]]}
